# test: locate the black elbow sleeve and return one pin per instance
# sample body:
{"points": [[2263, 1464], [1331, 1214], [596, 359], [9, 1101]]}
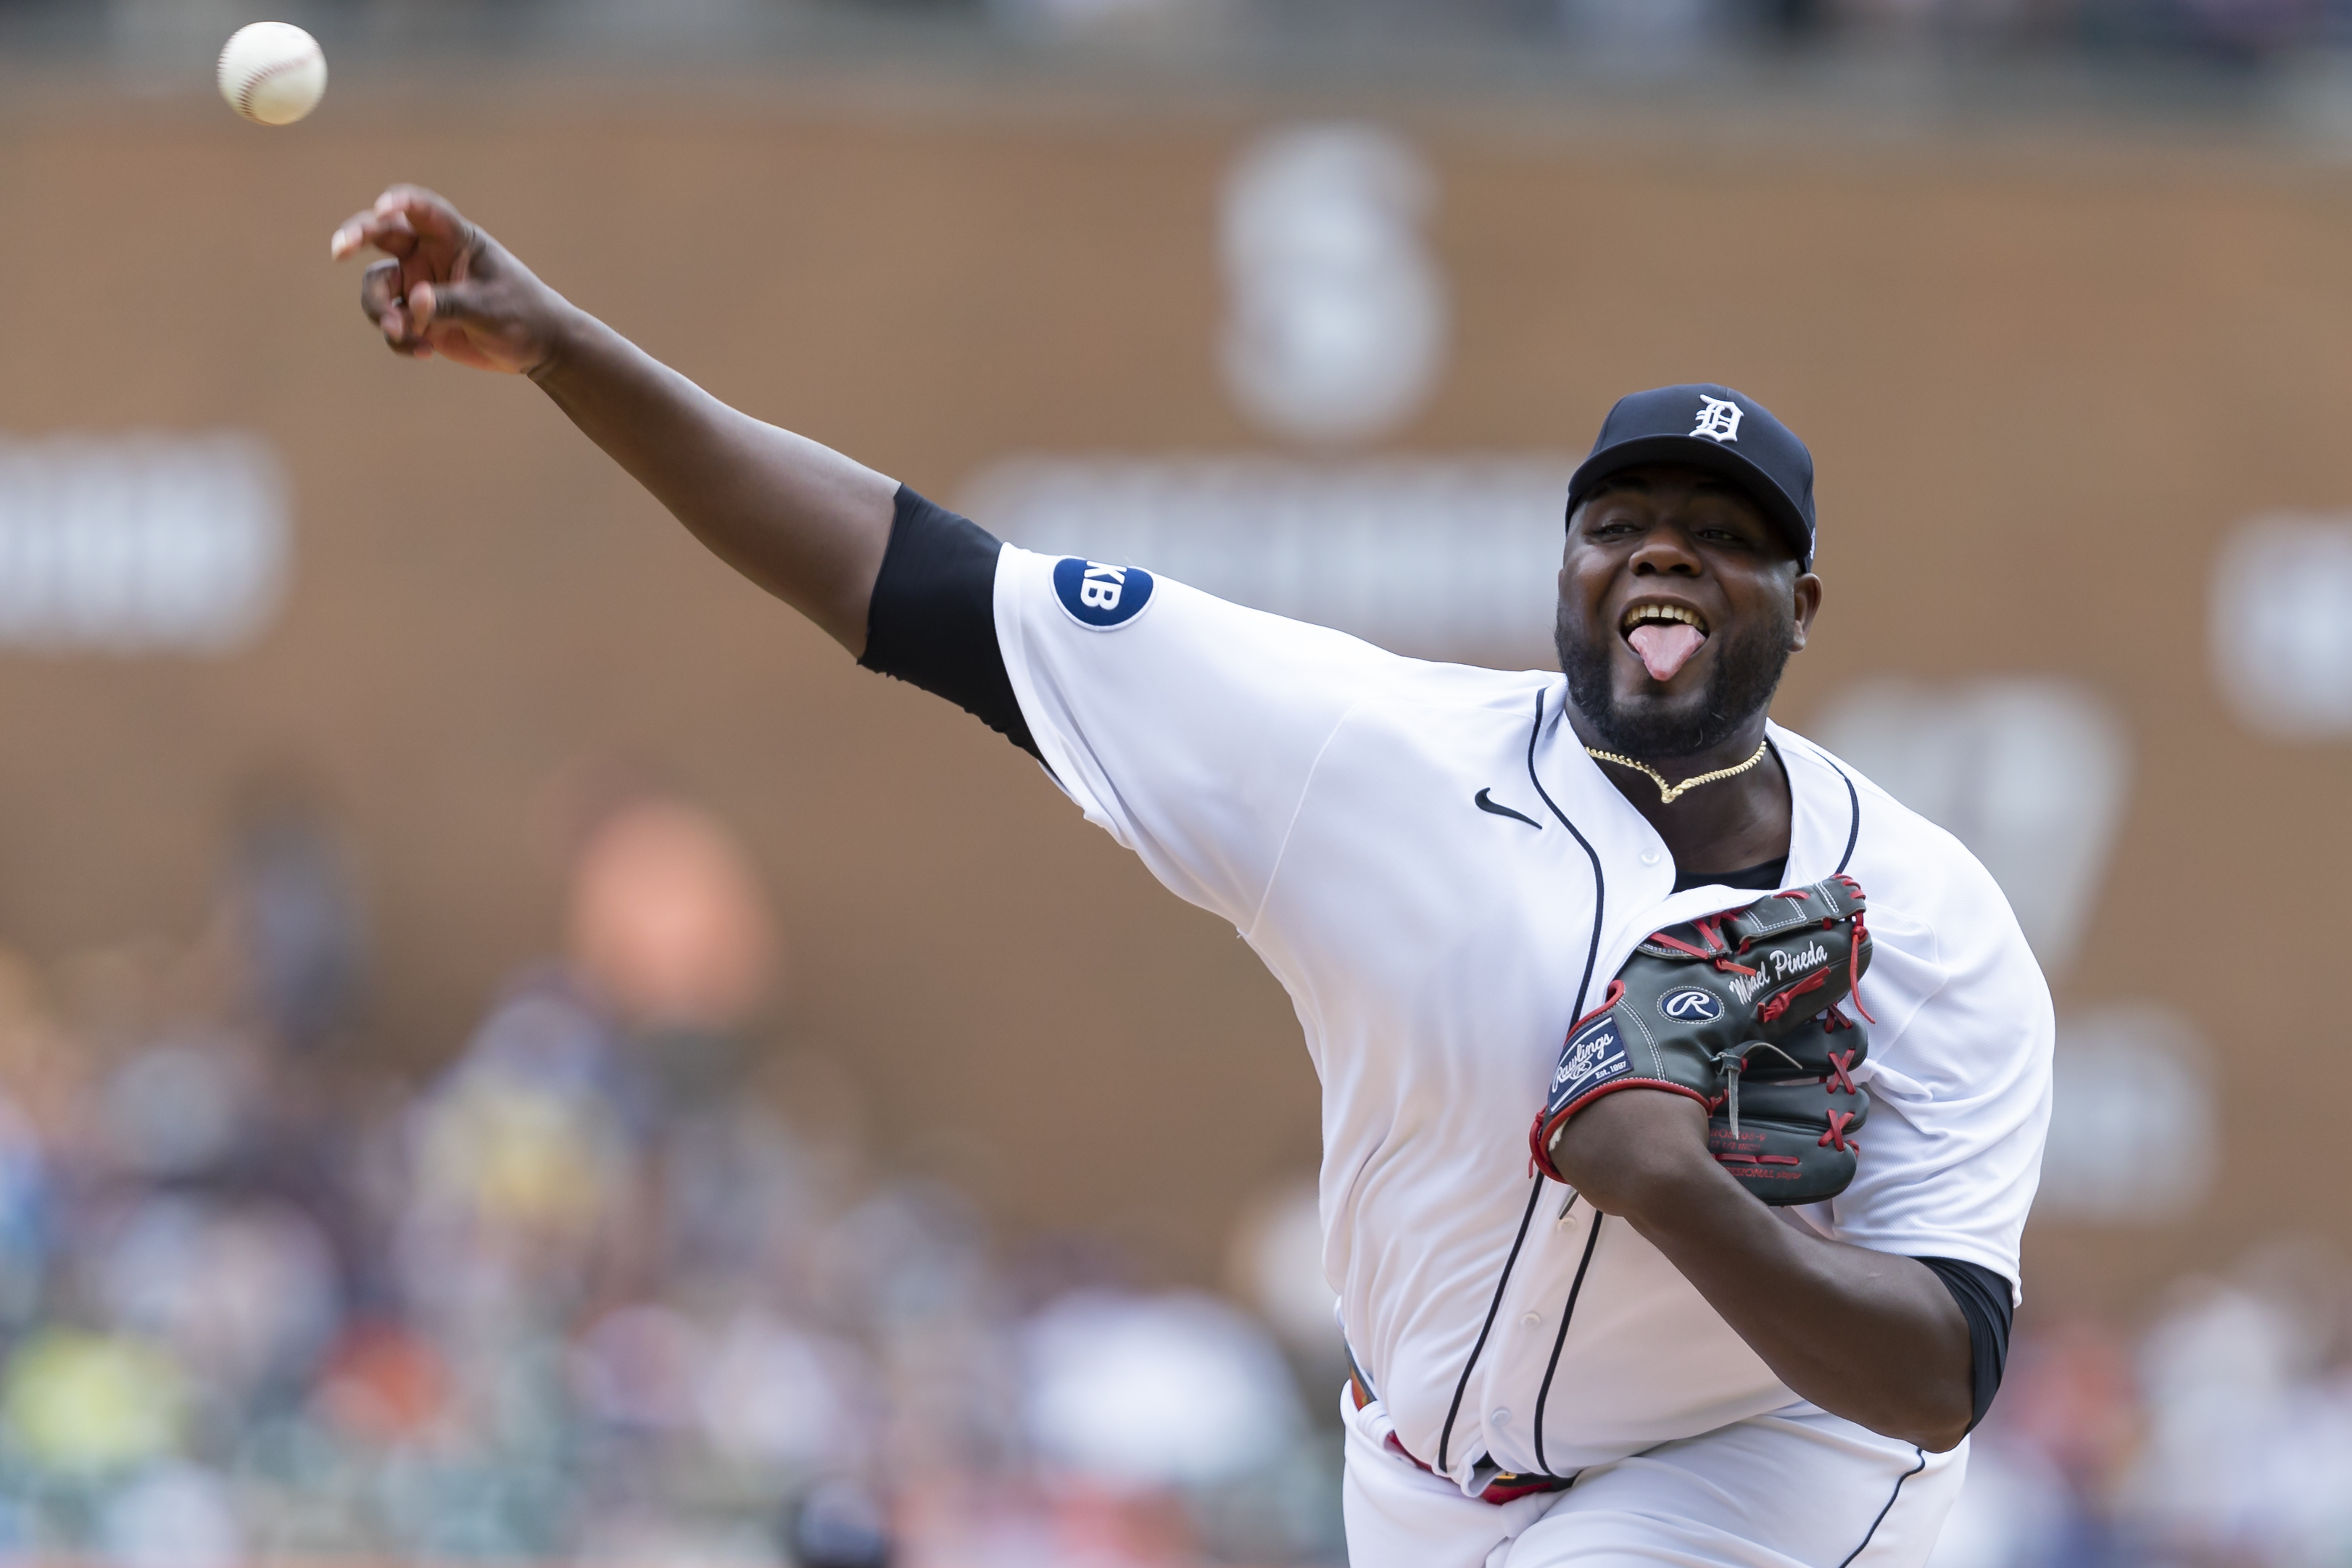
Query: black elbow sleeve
{"points": [[933, 619], [1984, 1298]]}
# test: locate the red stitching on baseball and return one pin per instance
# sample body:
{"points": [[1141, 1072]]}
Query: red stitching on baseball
{"points": [[277, 68]]}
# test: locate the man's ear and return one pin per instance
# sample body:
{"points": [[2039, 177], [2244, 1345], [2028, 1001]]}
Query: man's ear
{"points": [[1806, 595]]}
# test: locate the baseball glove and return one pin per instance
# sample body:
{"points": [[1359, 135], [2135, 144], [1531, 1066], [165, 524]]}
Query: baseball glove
{"points": [[1738, 1011]]}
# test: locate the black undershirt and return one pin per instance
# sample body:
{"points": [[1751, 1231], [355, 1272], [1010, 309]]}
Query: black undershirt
{"points": [[933, 619], [1764, 877], [932, 623], [1983, 1297]]}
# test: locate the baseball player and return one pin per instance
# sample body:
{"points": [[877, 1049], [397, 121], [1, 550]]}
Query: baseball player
{"points": [[1613, 1352]]}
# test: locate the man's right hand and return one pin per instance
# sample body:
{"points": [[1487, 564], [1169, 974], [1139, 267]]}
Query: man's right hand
{"points": [[448, 288]]}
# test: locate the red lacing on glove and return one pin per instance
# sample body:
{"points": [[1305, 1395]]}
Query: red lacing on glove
{"points": [[1719, 945], [1854, 968], [1840, 1080], [1774, 1007], [1609, 999], [1833, 1021], [1678, 945], [1711, 925], [1835, 1137], [1722, 960]]}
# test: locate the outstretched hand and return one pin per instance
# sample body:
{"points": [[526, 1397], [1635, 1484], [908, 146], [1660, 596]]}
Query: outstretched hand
{"points": [[448, 288]]}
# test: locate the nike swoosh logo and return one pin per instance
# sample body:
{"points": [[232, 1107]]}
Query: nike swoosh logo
{"points": [[1483, 804]]}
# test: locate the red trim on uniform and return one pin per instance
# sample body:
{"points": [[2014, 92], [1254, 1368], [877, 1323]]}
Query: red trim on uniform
{"points": [[1505, 1488]]}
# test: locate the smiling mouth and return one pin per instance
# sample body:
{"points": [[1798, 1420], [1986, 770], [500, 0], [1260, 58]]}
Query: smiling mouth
{"points": [[1662, 636]]}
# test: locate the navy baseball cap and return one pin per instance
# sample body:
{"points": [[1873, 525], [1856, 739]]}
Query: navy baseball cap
{"points": [[1723, 432]]}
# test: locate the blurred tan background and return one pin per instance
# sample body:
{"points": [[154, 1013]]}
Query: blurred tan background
{"points": [[2040, 385]]}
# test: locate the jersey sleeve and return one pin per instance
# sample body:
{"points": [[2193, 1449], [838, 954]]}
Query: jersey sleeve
{"points": [[1185, 725], [1958, 1072]]}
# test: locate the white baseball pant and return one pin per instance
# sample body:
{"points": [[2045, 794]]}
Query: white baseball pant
{"points": [[1797, 1489]]}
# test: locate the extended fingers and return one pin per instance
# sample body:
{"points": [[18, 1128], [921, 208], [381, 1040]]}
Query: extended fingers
{"points": [[430, 213], [403, 216], [390, 233]]}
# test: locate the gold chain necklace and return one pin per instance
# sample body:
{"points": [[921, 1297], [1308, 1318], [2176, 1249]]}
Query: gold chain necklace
{"points": [[1668, 793]]}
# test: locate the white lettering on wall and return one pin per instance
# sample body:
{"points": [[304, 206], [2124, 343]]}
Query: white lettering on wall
{"points": [[139, 543], [1336, 322], [2282, 625], [2032, 773]]}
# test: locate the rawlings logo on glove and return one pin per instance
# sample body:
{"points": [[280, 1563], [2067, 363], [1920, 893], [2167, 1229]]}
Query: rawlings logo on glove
{"points": [[1737, 1011]]}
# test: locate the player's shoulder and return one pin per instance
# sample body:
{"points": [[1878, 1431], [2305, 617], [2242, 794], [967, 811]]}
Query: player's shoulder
{"points": [[1475, 691], [1452, 716], [1903, 860], [1162, 617]]}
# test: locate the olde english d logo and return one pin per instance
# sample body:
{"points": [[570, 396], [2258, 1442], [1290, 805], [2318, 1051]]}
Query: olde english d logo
{"points": [[1718, 419]]}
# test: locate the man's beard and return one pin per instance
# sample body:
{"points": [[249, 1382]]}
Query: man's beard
{"points": [[1746, 673]]}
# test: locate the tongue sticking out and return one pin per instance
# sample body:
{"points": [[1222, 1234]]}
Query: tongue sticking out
{"points": [[1666, 646]]}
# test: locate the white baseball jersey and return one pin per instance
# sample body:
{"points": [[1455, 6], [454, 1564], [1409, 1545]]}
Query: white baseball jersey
{"points": [[1443, 880]]}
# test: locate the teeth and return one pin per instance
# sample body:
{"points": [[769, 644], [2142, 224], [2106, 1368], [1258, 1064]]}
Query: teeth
{"points": [[1641, 613]]}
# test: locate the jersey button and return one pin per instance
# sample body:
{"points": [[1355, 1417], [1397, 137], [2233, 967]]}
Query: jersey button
{"points": [[1533, 1319], [1499, 1419], [1649, 857]]}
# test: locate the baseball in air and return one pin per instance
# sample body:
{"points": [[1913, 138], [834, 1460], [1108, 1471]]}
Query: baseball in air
{"points": [[272, 73]]}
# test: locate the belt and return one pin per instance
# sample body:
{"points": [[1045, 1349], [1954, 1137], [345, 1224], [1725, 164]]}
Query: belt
{"points": [[1502, 1487]]}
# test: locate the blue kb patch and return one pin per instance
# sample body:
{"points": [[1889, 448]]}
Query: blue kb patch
{"points": [[1691, 1005], [1592, 1055], [1099, 596]]}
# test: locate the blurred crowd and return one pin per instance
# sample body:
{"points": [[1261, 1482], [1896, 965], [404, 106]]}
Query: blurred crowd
{"points": [[616, 1284], [2225, 32], [2221, 1433], [620, 1284]]}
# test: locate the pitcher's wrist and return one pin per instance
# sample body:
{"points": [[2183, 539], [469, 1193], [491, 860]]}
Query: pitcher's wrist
{"points": [[559, 342]]}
